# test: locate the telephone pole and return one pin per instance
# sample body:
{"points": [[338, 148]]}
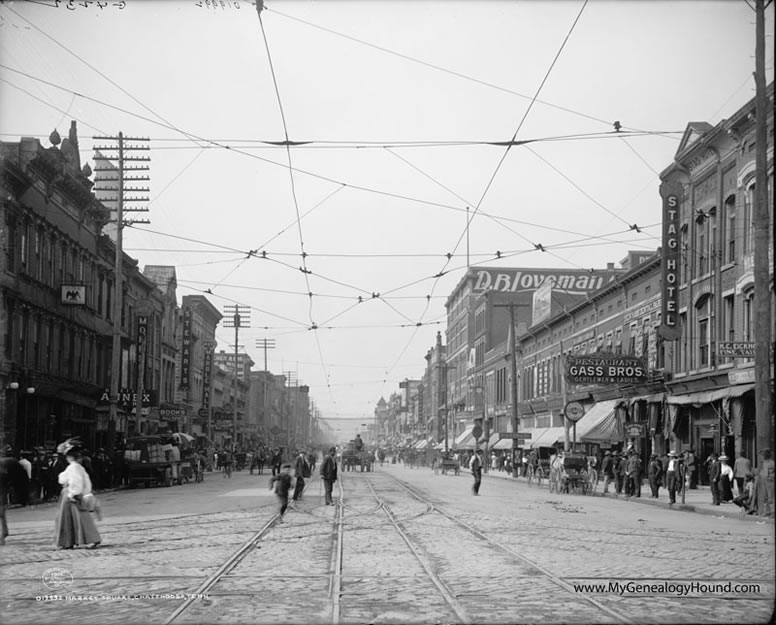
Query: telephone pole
{"points": [[236, 316], [761, 226], [265, 344], [111, 177], [515, 387]]}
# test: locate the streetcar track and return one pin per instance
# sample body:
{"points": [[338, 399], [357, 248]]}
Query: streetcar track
{"points": [[445, 591], [558, 581]]}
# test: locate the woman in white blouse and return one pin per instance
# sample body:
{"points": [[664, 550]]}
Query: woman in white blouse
{"points": [[725, 480], [74, 523]]}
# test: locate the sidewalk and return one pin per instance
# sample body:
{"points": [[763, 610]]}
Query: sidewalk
{"points": [[698, 500]]}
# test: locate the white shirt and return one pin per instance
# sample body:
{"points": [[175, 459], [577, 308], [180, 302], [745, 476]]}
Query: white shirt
{"points": [[726, 469], [76, 480], [27, 467]]}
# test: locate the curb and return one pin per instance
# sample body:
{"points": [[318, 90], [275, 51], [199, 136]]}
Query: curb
{"points": [[684, 507]]}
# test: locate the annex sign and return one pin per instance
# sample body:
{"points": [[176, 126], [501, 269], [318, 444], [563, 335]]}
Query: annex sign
{"points": [[605, 369]]}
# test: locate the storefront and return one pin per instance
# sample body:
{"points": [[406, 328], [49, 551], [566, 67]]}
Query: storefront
{"points": [[714, 421]]}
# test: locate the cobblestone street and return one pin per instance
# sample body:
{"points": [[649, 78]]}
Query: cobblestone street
{"points": [[401, 545]]}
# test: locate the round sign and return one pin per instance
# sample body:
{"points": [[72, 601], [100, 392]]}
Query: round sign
{"points": [[203, 412], [574, 411], [477, 432]]}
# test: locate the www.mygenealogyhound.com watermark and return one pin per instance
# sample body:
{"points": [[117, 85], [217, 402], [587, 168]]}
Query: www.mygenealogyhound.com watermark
{"points": [[104, 597], [679, 589]]}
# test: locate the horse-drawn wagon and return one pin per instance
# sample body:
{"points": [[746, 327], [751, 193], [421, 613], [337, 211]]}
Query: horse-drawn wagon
{"points": [[570, 473]]}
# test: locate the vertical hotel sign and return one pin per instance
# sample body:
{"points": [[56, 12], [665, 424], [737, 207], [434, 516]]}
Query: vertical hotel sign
{"points": [[186, 351], [670, 329]]}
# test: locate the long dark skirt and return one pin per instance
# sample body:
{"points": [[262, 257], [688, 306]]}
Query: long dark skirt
{"points": [[725, 492], [73, 526]]}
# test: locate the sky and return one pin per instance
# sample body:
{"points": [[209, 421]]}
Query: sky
{"points": [[319, 162]]}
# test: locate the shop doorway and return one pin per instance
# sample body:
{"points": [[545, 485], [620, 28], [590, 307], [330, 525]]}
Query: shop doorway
{"points": [[706, 449]]}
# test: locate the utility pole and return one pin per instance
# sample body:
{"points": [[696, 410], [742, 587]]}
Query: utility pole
{"points": [[293, 381], [761, 226], [111, 176], [236, 316], [265, 344], [515, 387]]}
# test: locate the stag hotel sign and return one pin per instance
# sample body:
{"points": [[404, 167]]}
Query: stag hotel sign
{"points": [[670, 328]]}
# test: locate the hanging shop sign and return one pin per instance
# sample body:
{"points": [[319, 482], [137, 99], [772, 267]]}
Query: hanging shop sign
{"points": [[73, 294], [574, 411], [605, 368]]}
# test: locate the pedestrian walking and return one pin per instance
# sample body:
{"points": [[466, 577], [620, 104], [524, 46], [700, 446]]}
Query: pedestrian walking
{"points": [[725, 480], [606, 469], [764, 486], [715, 472], [301, 471], [633, 473], [13, 479], [654, 475], [329, 474], [691, 467], [277, 459], [742, 468], [475, 464], [674, 476], [621, 464], [74, 524], [282, 484]]}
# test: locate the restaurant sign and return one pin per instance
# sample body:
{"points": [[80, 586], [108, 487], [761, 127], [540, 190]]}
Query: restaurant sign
{"points": [[605, 368]]}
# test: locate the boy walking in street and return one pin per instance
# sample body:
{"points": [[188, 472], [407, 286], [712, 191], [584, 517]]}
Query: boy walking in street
{"points": [[282, 484]]}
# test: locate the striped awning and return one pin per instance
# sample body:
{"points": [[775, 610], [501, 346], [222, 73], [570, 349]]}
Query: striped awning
{"points": [[594, 416], [465, 440], [609, 429], [549, 437]]}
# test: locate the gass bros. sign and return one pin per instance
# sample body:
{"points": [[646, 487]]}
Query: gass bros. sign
{"points": [[524, 280], [605, 369]]}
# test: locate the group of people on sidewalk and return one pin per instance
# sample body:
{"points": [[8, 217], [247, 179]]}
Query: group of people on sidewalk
{"points": [[74, 524]]}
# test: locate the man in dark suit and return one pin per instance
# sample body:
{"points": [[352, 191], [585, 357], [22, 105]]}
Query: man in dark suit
{"points": [[329, 473], [715, 472]]}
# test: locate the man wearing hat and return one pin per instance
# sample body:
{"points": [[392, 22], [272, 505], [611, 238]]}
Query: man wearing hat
{"points": [[606, 470], [674, 475], [654, 474], [329, 473]]}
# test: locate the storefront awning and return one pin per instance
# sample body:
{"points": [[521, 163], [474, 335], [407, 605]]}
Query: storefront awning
{"points": [[465, 440], [593, 417], [506, 443], [548, 437], [608, 430], [707, 397]]}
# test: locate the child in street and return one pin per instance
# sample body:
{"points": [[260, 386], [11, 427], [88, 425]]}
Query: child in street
{"points": [[282, 484]]}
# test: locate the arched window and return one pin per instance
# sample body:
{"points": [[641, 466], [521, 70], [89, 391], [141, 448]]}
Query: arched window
{"points": [[703, 330], [729, 224]]}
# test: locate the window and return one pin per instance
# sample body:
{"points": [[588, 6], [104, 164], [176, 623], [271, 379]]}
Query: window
{"points": [[703, 338], [749, 202], [38, 254], [632, 339], [685, 257], [701, 241], [748, 321], [24, 244], [618, 341], [730, 229], [703, 342], [728, 320], [36, 330]]}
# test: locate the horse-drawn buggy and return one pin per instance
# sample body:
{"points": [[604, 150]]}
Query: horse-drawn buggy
{"points": [[569, 472], [448, 463], [539, 461]]}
